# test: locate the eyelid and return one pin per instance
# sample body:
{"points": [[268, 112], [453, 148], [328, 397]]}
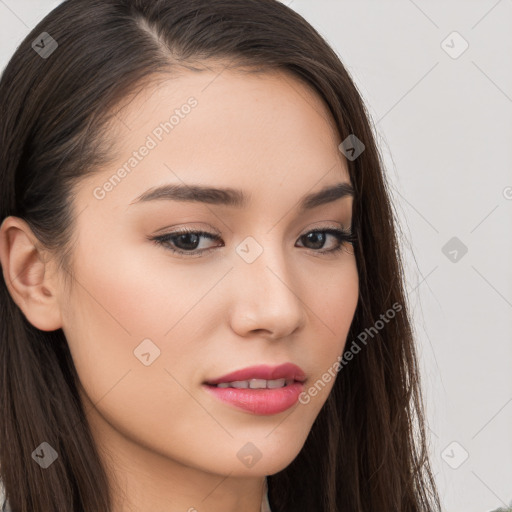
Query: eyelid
{"points": [[325, 225], [177, 228], [215, 234]]}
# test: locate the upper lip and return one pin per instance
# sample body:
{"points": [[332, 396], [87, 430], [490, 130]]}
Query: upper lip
{"points": [[283, 371]]}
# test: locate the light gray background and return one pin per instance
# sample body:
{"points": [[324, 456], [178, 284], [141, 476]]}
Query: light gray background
{"points": [[444, 126]]}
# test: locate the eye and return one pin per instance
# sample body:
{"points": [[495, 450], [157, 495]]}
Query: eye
{"points": [[186, 241], [317, 238]]}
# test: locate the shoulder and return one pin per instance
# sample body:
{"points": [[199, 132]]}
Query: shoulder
{"points": [[506, 508], [4, 504]]}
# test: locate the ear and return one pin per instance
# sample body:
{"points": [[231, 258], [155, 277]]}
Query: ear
{"points": [[27, 274]]}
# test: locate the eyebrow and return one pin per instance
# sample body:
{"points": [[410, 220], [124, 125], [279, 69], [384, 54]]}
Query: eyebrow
{"points": [[235, 197]]}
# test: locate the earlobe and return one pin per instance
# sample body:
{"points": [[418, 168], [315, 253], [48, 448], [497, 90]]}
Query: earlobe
{"points": [[28, 275]]}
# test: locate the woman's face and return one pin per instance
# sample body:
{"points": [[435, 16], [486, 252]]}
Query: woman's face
{"points": [[147, 327]]}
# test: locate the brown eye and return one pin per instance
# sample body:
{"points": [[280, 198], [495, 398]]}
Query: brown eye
{"points": [[185, 241], [318, 237]]}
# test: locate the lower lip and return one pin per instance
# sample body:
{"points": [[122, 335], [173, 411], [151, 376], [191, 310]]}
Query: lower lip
{"points": [[259, 401]]}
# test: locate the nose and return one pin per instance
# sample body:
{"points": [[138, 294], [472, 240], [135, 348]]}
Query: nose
{"points": [[265, 296]]}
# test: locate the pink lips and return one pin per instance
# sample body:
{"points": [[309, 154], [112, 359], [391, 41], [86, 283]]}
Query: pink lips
{"points": [[261, 401], [283, 371]]}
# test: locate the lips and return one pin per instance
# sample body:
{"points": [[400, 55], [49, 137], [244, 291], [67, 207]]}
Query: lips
{"points": [[262, 402], [287, 371]]}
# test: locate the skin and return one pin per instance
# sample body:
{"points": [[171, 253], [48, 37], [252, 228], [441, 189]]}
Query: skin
{"points": [[167, 443]]}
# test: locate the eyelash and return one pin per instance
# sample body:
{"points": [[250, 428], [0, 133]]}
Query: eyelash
{"points": [[165, 240]]}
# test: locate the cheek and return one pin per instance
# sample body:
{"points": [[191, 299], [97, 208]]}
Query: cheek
{"points": [[122, 309], [115, 305], [139, 294], [334, 301], [333, 305], [119, 307]]}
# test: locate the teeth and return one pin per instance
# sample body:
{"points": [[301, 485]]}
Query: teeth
{"points": [[277, 383], [242, 384], [256, 384]]}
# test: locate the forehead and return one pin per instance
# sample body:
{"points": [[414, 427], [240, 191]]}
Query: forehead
{"points": [[218, 87], [229, 127]]}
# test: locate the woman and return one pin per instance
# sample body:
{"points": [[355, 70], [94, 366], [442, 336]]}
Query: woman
{"points": [[194, 209]]}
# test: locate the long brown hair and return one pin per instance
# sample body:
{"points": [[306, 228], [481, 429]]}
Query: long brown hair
{"points": [[367, 449]]}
